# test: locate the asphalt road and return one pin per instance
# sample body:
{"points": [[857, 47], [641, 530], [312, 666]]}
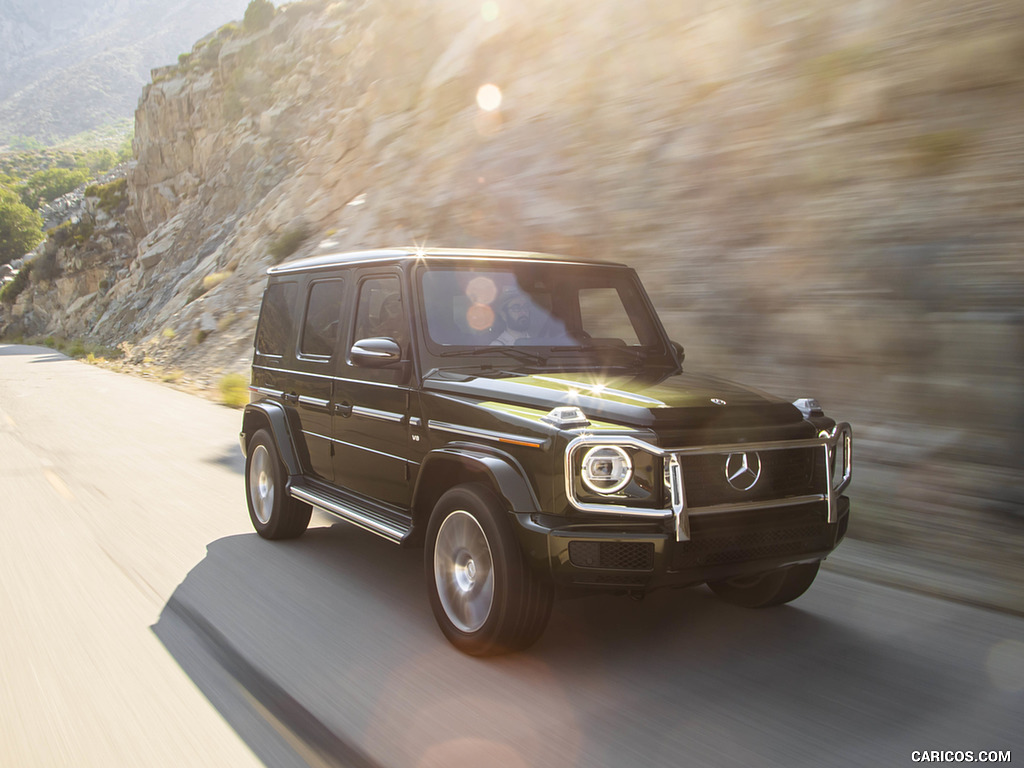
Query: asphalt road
{"points": [[144, 623]]}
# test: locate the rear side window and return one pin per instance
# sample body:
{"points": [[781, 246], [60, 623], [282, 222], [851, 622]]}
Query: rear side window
{"points": [[276, 319], [323, 310]]}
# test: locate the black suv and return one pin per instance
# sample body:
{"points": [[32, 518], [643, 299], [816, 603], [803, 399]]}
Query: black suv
{"points": [[526, 420]]}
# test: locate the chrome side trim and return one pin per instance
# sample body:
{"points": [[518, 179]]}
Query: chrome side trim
{"points": [[841, 438], [268, 392], [331, 378], [316, 434], [373, 413], [381, 528], [316, 402], [361, 447], [486, 434]]}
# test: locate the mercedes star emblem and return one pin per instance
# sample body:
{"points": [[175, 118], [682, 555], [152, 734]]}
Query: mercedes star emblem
{"points": [[743, 470], [717, 401]]}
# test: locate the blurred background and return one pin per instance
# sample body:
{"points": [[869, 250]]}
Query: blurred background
{"points": [[823, 199]]}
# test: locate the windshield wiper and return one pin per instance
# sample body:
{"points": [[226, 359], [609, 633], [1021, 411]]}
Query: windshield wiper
{"points": [[636, 355], [519, 354]]}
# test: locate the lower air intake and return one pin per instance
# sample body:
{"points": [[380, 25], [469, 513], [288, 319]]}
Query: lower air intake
{"points": [[616, 555]]}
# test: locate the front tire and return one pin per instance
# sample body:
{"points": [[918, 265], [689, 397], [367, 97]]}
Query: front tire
{"points": [[485, 597], [274, 514], [767, 589]]}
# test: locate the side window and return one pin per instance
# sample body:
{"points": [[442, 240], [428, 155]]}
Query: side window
{"points": [[320, 326], [276, 324], [602, 315], [381, 311]]}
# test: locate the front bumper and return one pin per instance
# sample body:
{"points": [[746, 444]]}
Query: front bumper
{"points": [[720, 546]]}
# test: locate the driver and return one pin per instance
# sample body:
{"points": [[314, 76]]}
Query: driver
{"points": [[513, 307]]}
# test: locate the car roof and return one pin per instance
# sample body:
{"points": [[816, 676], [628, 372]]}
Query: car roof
{"points": [[426, 255]]}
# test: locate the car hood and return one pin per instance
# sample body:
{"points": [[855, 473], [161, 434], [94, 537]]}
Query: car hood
{"points": [[682, 400]]}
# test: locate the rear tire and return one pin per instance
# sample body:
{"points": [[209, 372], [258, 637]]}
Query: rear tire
{"points": [[485, 597], [765, 590], [274, 514]]}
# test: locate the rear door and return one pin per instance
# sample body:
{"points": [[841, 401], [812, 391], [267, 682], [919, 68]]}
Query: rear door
{"points": [[312, 395]]}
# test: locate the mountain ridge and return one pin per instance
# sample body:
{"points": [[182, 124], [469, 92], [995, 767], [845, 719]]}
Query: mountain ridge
{"points": [[68, 70]]}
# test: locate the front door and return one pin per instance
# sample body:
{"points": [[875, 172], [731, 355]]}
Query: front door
{"points": [[374, 405]]}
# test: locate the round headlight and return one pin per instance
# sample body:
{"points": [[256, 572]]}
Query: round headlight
{"points": [[606, 469]]}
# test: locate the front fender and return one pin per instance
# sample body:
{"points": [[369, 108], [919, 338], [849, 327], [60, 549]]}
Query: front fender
{"points": [[504, 473]]}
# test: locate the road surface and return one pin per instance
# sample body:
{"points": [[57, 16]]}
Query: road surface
{"points": [[146, 624]]}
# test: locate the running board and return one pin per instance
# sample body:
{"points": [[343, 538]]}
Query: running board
{"points": [[388, 526]]}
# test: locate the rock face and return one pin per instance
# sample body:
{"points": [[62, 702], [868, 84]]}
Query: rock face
{"points": [[825, 199]]}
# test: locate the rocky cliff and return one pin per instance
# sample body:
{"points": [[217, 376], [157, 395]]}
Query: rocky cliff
{"points": [[825, 199]]}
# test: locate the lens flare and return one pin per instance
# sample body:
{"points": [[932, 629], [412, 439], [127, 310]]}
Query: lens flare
{"points": [[481, 290], [488, 97], [480, 317], [489, 10]]}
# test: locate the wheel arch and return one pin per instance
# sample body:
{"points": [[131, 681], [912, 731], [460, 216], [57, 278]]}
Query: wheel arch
{"points": [[272, 417], [454, 465]]}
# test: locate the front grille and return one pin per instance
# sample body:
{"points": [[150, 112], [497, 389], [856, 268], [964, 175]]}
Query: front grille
{"points": [[620, 555], [789, 472], [740, 537]]}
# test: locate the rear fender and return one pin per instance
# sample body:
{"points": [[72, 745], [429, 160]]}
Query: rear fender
{"points": [[272, 417]]}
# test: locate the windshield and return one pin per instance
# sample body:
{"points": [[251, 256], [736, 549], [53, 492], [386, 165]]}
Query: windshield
{"points": [[538, 314]]}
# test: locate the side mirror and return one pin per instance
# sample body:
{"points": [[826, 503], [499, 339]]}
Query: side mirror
{"points": [[377, 352], [678, 349]]}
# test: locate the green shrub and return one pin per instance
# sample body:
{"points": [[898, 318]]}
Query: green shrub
{"points": [[208, 284], [212, 281], [17, 285], [99, 160], [234, 390], [21, 229], [71, 232], [46, 267], [50, 184], [258, 15], [25, 144], [112, 196], [287, 243]]}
